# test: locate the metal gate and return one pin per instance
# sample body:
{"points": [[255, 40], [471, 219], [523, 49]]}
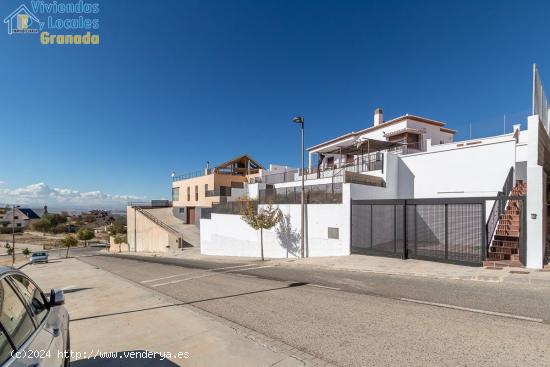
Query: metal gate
{"points": [[450, 229]]}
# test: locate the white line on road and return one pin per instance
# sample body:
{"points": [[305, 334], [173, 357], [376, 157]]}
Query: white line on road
{"points": [[194, 272], [492, 313], [210, 274], [323, 286]]}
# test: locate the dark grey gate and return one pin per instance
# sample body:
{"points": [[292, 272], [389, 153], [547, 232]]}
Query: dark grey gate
{"points": [[451, 230]]}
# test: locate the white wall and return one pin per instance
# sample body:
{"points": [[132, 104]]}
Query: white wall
{"points": [[143, 235], [536, 197], [229, 235], [476, 170]]}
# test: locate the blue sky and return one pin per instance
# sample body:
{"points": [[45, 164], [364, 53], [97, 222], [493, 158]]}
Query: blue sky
{"points": [[176, 83]]}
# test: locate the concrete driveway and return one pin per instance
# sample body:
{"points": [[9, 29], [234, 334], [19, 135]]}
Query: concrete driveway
{"points": [[117, 323]]}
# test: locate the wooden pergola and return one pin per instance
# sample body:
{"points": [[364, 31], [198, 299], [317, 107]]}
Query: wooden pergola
{"points": [[240, 166]]}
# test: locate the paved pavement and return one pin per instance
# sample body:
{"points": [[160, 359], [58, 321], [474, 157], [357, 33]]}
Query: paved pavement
{"points": [[505, 297], [361, 319], [110, 314]]}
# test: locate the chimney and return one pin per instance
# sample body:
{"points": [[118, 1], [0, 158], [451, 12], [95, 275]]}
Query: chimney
{"points": [[378, 117]]}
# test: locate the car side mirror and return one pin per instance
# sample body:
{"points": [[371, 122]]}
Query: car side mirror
{"points": [[57, 297]]}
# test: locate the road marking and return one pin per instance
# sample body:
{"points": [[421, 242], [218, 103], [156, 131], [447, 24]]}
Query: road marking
{"points": [[492, 313], [323, 286], [210, 274], [194, 272]]}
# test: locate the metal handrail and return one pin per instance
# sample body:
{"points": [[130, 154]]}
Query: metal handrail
{"points": [[372, 165], [499, 207], [157, 221], [193, 174], [220, 191]]}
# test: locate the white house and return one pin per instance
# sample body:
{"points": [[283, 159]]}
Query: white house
{"points": [[20, 218], [403, 188]]}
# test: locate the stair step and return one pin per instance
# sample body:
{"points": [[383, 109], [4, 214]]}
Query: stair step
{"points": [[502, 264], [496, 256], [504, 250]]}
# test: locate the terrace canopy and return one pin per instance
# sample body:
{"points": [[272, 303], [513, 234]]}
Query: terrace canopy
{"points": [[363, 146], [240, 166]]}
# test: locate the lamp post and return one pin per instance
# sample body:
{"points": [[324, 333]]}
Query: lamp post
{"points": [[300, 120]]}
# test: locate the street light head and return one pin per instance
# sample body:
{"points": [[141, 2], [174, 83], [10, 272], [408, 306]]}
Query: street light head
{"points": [[173, 174], [298, 119]]}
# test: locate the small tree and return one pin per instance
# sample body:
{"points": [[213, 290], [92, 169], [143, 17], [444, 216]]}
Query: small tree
{"points": [[85, 234], [69, 241], [120, 239], [9, 249], [117, 227], [26, 251], [261, 219]]}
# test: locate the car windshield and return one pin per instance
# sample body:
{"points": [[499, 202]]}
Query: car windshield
{"points": [[39, 254]]}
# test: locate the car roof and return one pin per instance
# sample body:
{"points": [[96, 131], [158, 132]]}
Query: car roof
{"points": [[7, 269]]}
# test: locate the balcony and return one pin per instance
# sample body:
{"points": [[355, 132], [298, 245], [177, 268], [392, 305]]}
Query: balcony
{"points": [[220, 191]]}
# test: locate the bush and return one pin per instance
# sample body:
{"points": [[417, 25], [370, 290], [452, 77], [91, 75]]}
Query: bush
{"points": [[85, 234], [60, 228], [26, 251], [119, 238], [118, 227], [50, 223]]}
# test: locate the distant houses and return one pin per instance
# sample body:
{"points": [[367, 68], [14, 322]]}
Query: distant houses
{"points": [[18, 219]]}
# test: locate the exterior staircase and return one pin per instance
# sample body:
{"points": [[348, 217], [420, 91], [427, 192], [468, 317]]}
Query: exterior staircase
{"points": [[504, 249], [188, 234]]}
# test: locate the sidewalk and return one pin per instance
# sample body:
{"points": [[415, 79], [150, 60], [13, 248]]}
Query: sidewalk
{"points": [[419, 268], [110, 314], [382, 265]]}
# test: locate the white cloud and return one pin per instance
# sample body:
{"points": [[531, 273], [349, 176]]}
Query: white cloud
{"points": [[41, 194], [2, 182]]}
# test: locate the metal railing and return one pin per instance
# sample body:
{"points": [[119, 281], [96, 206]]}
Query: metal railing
{"points": [[220, 191], [364, 163], [157, 221], [499, 206], [314, 194], [150, 204], [193, 174]]}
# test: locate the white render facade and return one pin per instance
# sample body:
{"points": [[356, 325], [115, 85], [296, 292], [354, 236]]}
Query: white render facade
{"points": [[444, 169]]}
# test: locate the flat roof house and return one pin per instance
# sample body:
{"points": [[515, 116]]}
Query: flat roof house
{"points": [[194, 191], [403, 187]]}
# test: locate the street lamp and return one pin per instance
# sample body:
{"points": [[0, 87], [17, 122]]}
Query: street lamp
{"points": [[300, 120]]}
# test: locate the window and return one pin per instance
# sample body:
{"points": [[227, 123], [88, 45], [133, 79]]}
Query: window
{"points": [[196, 193], [14, 317], [330, 162], [188, 193], [16, 217], [5, 348], [205, 189], [333, 233], [18, 224], [175, 193], [32, 296]]}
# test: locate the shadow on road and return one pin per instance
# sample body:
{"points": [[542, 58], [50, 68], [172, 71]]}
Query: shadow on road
{"points": [[134, 358], [73, 290], [291, 285]]}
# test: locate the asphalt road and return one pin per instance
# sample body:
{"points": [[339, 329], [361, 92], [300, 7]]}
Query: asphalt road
{"points": [[362, 321]]}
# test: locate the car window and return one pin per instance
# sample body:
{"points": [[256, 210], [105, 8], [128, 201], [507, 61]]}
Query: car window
{"points": [[32, 296], [14, 317]]}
